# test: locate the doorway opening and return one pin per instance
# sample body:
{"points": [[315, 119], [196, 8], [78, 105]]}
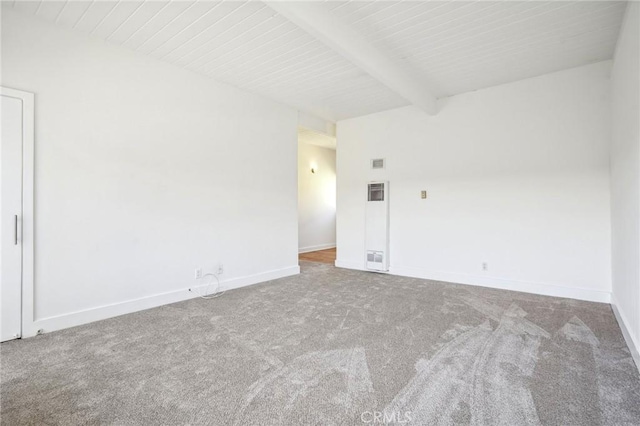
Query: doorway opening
{"points": [[316, 196]]}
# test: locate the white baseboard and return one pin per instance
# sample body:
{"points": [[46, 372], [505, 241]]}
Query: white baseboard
{"points": [[316, 248], [109, 311], [505, 284], [634, 347], [492, 282], [347, 264]]}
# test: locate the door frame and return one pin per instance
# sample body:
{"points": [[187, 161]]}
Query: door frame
{"points": [[27, 220]]}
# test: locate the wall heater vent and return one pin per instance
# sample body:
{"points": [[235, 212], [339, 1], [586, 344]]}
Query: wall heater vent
{"points": [[377, 227], [377, 163]]}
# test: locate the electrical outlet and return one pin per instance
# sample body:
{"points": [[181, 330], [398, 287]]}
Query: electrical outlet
{"points": [[485, 266], [220, 269], [198, 273], [423, 194]]}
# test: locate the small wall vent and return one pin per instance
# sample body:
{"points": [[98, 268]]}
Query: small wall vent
{"points": [[376, 260], [377, 163]]}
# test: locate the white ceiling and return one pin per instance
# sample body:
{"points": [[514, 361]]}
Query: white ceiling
{"points": [[456, 46], [462, 46], [313, 137]]}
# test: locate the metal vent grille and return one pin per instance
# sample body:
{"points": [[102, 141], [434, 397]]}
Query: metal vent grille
{"points": [[377, 163], [375, 192], [375, 260], [374, 256]]}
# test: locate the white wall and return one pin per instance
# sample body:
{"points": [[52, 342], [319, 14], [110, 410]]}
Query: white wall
{"points": [[145, 172], [625, 177], [316, 198], [517, 176]]}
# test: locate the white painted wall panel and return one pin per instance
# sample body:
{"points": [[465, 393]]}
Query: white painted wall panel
{"points": [[144, 172], [517, 176], [625, 176]]}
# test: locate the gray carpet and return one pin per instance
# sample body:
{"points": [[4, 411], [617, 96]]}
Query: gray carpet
{"points": [[332, 346]]}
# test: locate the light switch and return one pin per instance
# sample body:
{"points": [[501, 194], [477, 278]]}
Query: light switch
{"points": [[423, 194]]}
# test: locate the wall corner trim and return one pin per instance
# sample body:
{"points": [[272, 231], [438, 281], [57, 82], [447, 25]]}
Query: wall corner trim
{"points": [[634, 347], [86, 316]]}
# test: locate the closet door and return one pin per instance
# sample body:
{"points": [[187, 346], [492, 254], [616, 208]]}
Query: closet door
{"points": [[11, 218]]}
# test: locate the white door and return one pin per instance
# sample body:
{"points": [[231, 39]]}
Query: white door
{"points": [[11, 218]]}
